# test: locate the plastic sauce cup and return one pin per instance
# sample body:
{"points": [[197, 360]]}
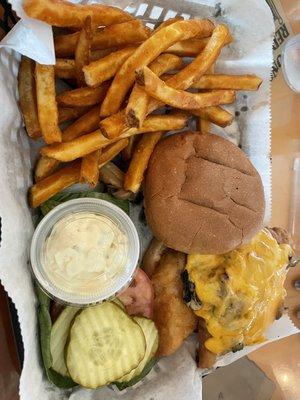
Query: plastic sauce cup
{"points": [[114, 285]]}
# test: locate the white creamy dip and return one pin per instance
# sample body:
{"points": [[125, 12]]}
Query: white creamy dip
{"points": [[84, 252]]}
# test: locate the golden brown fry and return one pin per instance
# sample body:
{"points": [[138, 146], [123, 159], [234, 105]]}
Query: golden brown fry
{"points": [[111, 175], [123, 194], [181, 99], [185, 78], [113, 126], [129, 149], [85, 96], [206, 359], [146, 53], [83, 50], [86, 144], [65, 14], [152, 256], [66, 114], [138, 101], [111, 151], [215, 114], [46, 103], [168, 302], [65, 68], [27, 96], [97, 54], [188, 48], [89, 172], [85, 124], [45, 167], [139, 163], [48, 187], [231, 82], [168, 22], [106, 68], [203, 125], [112, 36]]}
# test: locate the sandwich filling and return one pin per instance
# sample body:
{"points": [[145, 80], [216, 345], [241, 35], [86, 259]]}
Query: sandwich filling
{"points": [[239, 293]]}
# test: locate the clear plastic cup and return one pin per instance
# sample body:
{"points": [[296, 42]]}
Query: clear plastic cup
{"points": [[291, 63], [117, 283]]}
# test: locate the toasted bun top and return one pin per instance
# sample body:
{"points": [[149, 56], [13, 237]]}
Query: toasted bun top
{"points": [[202, 194]]}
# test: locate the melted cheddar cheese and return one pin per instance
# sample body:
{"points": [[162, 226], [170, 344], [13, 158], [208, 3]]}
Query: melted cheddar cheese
{"points": [[240, 291]]}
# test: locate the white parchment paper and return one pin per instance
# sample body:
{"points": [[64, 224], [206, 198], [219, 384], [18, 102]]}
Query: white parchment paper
{"points": [[175, 377]]}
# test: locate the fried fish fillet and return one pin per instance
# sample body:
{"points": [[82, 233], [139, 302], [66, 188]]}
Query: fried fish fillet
{"points": [[172, 317]]}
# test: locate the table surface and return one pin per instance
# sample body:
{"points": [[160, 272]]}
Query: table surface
{"points": [[280, 360]]}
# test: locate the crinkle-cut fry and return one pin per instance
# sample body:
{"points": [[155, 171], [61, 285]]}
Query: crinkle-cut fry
{"points": [[85, 124], [86, 144], [27, 96], [112, 175], [66, 114], [106, 68], [85, 96], [65, 68], [48, 187], [83, 50], [129, 149], [137, 106], [118, 35], [215, 114], [111, 151], [45, 167], [89, 172], [65, 14], [145, 54], [139, 162], [46, 103], [206, 359], [181, 99], [231, 82]]}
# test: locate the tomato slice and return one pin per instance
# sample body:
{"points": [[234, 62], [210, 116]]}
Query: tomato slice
{"points": [[139, 296]]}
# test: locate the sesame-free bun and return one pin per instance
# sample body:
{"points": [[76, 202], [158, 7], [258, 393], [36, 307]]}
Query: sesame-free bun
{"points": [[202, 194]]}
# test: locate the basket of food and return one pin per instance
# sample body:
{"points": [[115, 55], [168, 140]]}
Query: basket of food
{"points": [[142, 258]]}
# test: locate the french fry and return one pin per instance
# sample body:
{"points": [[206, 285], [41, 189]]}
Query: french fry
{"points": [[97, 54], [113, 126], [152, 256], [203, 125], [65, 68], [112, 151], [85, 96], [185, 78], [85, 124], [139, 163], [138, 101], [86, 144], [27, 96], [112, 175], [188, 48], [145, 54], [168, 22], [106, 68], [228, 82], [215, 114], [46, 103], [48, 187], [66, 114], [45, 167], [65, 14], [129, 149], [124, 194], [83, 50], [182, 80], [118, 35], [180, 99], [89, 172]]}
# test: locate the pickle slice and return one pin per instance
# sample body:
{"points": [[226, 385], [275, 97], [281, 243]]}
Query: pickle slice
{"points": [[59, 336], [105, 344], [151, 335]]}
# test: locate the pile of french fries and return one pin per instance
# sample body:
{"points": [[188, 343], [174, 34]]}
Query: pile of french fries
{"points": [[120, 73]]}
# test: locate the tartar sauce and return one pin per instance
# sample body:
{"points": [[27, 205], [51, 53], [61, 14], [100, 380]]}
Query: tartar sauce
{"points": [[84, 252]]}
